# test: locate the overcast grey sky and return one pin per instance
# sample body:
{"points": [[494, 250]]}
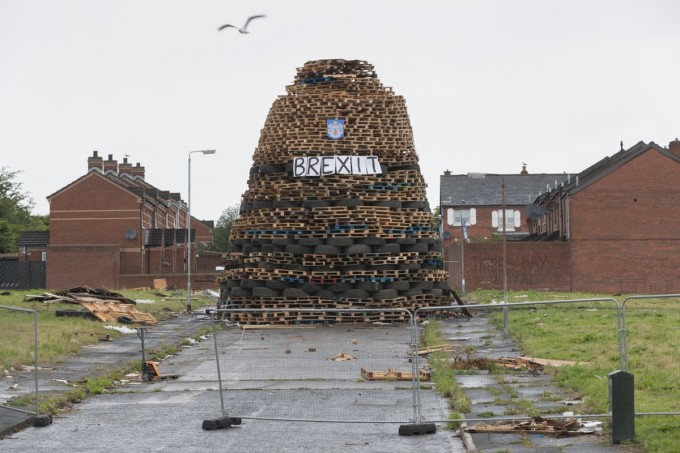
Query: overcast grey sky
{"points": [[488, 84]]}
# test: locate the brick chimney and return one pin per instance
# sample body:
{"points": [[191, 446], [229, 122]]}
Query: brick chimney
{"points": [[447, 172], [125, 168], [95, 161], [138, 170], [524, 169], [674, 147], [110, 164]]}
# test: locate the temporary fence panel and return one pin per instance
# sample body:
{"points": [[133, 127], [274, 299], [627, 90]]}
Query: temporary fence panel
{"points": [[23, 379], [485, 339], [318, 367], [643, 311]]}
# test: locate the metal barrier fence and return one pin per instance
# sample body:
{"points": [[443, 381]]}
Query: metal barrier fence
{"points": [[624, 365], [39, 420], [421, 312], [320, 370]]}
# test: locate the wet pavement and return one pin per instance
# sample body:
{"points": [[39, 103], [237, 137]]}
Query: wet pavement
{"points": [[287, 373], [509, 393], [271, 374]]}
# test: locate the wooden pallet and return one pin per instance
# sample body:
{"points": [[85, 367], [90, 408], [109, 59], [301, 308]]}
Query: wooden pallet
{"points": [[393, 375]]}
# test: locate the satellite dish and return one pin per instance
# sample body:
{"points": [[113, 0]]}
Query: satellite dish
{"points": [[130, 233]]}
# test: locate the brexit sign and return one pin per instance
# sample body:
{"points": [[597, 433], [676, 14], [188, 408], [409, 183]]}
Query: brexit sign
{"points": [[336, 165], [335, 129]]}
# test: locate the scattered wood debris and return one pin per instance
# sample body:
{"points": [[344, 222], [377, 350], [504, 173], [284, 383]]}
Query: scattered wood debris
{"points": [[105, 305], [550, 362], [343, 357], [428, 350], [556, 428], [531, 363], [393, 375], [114, 312], [274, 327]]}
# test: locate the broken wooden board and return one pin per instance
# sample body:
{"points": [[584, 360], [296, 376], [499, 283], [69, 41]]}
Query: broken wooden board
{"points": [[556, 428], [393, 375], [343, 357], [428, 350], [115, 312], [531, 363], [274, 327], [548, 362], [49, 298]]}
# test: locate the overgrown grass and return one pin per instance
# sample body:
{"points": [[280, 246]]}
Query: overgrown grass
{"points": [[92, 386], [586, 332], [443, 374], [59, 337]]}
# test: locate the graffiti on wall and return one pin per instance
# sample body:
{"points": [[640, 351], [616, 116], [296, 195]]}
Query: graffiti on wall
{"points": [[490, 269]]}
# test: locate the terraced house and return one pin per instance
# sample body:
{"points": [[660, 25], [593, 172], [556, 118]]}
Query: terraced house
{"points": [[112, 228]]}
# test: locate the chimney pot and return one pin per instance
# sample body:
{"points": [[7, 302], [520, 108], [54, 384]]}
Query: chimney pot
{"points": [[674, 147], [110, 164], [138, 170], [95, 162]]}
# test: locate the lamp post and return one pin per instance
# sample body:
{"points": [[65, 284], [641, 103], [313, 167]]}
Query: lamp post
{"points": [[505, 253], [505, 262], [462, 247], [206, 151]]}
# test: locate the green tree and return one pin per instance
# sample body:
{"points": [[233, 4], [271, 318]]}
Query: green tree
{"points": [[222, 230], [437, 217], [15, 211]]}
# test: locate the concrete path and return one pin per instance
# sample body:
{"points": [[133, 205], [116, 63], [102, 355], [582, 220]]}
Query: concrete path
{"points": [[283, 373], [497, 395], [286, 373]]}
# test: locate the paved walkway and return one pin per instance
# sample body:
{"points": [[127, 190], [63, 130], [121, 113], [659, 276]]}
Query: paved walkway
{"points": [[93, 361], [491, 395], [495, 395]]}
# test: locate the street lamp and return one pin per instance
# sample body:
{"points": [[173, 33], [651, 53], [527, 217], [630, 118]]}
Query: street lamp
{"points": [[505, 262], [206, 151], [463, 238]]}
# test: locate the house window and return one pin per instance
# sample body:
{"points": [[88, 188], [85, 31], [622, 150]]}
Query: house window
{"points": [[454, 217], [512, 219]]}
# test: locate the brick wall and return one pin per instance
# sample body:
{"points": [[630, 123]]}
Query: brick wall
{"points": [[94, 266], [530, 265], [199, 281], [625, 233]]}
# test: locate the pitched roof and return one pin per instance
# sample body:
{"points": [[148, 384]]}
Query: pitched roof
{"points": [[602, 168], [34, 239], [480, 189], [135, 185]]}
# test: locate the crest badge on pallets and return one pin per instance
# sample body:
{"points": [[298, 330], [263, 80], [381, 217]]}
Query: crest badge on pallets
{"points": [[335, 214]]}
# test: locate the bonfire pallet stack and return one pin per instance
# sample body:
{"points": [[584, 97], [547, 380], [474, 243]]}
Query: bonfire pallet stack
{"points": [[337, 241]]}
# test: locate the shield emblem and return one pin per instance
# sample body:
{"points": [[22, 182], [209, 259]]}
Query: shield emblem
{"points": [[335, 129]]}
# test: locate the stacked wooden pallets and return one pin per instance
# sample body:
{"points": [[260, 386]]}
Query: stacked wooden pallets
{"points": [[338, 240]]}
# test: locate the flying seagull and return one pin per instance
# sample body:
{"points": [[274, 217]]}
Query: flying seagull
{"points": [[244, 29]]}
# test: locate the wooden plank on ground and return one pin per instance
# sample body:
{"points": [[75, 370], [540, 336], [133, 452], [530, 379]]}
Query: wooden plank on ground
{"points": [[113, 312], [393, 375]]}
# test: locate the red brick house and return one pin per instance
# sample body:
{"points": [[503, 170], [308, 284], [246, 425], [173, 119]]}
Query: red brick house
{"points": [[111, 228], [477, 198], [612, 228], [620, 220]]}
